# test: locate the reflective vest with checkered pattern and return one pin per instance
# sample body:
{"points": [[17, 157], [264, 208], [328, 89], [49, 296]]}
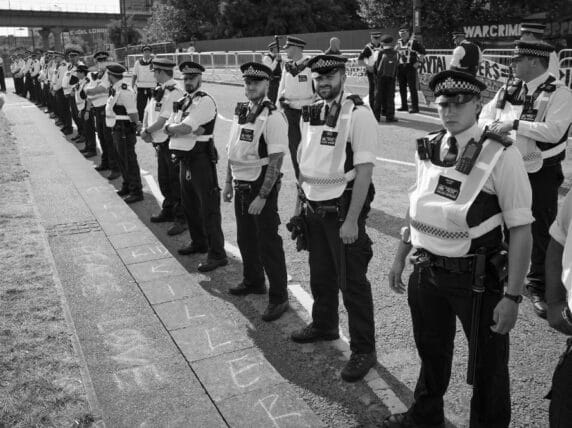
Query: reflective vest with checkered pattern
{"points": [[323, 167], [453, 228]]}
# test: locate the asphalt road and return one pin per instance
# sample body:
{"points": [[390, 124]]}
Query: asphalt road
{"points": [[315, 369]]}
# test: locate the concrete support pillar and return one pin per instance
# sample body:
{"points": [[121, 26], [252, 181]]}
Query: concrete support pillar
{"points": [[57, 32], [45, 35]]}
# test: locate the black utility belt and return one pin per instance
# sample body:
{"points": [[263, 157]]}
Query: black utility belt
{"points": [[201, 148], [496, 259]]}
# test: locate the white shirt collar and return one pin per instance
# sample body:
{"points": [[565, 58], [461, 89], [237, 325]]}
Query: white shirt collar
{"points": [[536, 82], [474, 132]]}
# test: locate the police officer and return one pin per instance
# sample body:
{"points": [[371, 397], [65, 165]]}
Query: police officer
{"points": [[157, 112], [191, 129], [469, 187], [121, 116], [558, 292], [87, 129], [385, 69], [97, 92], [28, 84], [273, 60], [411, 54], [295, 92], [144, 79], [467, 56], [2, 78], [337, 156], [256, 148], [70, 79], [532, 31], [535, 110], [367, 58], [34, 74]]}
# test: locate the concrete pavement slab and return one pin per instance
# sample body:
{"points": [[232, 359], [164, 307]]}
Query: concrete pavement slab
{"points": [[277, 406], [154, 269], [236, 373], [132, 239], [143, 253], [172, 288], [189, 312], [210, 339]]}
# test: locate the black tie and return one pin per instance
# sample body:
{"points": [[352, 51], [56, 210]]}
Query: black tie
{"points": [[451, 156]]}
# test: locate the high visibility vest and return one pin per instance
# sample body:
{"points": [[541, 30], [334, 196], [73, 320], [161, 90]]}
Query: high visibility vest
{"points": [[112, 112], [445, 220], [153, 111], [323, 151], [246, 149]]}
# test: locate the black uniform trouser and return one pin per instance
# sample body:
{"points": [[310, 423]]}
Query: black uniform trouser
{"points": [[384, 97], [104, 134], [18, 85], [124, 140], [407, 77], [65, 111], [324, 258], [435, 298], [259, 242], [168, 177], [75, 114], [143, 95], [544, 184], [2, 80], [88, 128], [294, 135], [371, 85], [273, 89], [29, 87], [560, 411], [200, 196]]}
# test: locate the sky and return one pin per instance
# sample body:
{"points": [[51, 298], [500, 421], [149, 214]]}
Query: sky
{"points": [[110, 6]]}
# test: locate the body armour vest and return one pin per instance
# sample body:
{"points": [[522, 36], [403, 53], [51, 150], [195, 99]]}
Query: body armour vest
{"points": [[470, 62], [187, 142], [513, 105], [247, 151], [324, 154], [450, 213]]}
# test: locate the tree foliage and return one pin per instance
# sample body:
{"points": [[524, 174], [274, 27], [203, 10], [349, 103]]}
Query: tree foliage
{"points": [[114, 29], [166, 24], [199, 19]]}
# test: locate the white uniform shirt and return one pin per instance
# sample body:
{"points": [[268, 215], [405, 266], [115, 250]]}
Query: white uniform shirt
{"points": [[297, 90], [558, 114], [561, 233], [99, 100], [554, 65], [508, 180], [459, 53], [145, 76], [270, 62], [163, 109], [125, 97], [201, 111], [35, 70]]}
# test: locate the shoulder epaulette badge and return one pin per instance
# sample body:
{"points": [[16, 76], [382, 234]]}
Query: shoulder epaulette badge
{"points": [[506, 142]]}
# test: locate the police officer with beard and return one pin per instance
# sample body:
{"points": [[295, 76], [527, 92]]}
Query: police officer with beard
{"points": [[256, 148], [336, 157], [470, 187], [144, 79], [191, 128], [157, 112]]}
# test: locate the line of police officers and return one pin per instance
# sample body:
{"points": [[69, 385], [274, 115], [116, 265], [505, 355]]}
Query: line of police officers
{"points": [[468, 221]]}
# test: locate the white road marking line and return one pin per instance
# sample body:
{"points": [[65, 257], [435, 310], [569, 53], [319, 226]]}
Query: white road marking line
{"points": [[379, 387], [395, 161]]}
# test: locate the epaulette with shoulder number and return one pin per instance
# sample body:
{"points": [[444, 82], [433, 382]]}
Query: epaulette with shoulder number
{"points": [[436, 135], [356, 99], [200, 94], [170, 87], [488, 135]]}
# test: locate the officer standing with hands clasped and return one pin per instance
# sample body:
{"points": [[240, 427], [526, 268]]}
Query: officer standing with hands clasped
{"points": [[157, 112], [411, 54], [535, 111], [121, 116], [337, 156], [470, 185], [256, 148], [144, 79], [467, 56], [191, 128]]}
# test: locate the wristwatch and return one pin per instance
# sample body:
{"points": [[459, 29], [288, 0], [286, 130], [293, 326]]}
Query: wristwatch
{"points": [[515, 298]]}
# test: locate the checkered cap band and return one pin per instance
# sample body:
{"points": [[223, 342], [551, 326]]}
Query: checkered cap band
{"points": [[450, 85], [438, 232], [191, 70], [525, 51], [326, 64], [253, 72]]}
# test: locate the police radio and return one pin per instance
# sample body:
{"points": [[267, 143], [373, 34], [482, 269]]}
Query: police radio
{"points": [[469, 157], [333, 114], [423, 149], [176, 107], [254, 112]]}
